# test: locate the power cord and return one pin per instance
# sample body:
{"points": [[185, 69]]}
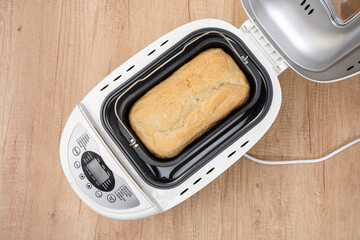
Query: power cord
{"points": [[315, 160]]}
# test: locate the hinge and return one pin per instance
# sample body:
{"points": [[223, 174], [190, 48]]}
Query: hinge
{"points": [[269, 51]]}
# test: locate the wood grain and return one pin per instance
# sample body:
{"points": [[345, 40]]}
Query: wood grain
{"points": [[54, 52]]}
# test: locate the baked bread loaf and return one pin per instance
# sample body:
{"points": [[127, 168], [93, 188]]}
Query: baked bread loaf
{"points": [[190, 101]]}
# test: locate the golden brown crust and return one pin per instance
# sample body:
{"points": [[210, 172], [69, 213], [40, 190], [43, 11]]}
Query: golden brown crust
{"points": [[185, 105]]}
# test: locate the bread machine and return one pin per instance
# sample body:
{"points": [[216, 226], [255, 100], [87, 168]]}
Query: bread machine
{"points": [[116, 176]]}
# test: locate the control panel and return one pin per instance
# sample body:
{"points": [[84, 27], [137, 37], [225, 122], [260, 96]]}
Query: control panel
{"points": [[93, 176]]}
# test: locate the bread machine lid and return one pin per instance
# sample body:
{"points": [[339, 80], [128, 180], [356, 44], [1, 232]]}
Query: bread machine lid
{"points": [[310, 36]]}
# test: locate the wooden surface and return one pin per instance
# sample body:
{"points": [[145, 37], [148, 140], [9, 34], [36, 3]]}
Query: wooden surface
{"points": [[54, 52]]}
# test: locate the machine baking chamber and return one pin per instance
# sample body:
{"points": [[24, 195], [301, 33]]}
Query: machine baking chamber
{"points": [[169, 173]]}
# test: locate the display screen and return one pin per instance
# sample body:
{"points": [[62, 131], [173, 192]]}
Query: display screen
{"points": [[97, 171]]}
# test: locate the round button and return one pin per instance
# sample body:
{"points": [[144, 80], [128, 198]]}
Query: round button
{"points": [[111, 198], [88, 186], [82, 176], [98, 194], [77, 164], [76, 151]]}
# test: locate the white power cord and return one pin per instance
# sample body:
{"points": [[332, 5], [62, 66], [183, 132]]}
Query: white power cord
{"points": [[315, 160]]}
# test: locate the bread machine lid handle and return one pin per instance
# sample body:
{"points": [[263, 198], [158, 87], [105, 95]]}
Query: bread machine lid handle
{"points": [[309, 36]]}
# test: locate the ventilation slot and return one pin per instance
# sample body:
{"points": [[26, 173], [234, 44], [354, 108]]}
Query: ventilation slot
{"points": [[130, 68], [164, 43], [244, 143], [184, 191], [231, 154], [351, 67], [151, 52], [117, 78], [197, 181], [104, 87], [210, 170], [307, 7]]}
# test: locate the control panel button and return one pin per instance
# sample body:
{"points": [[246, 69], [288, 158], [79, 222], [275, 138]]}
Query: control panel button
{"points": [[77, 164], [82, 176], [111, 198], [88, 186], [76, 151], [98, 194]]}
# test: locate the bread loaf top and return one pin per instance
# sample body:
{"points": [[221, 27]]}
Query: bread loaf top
{"points": [[190, 101]]}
